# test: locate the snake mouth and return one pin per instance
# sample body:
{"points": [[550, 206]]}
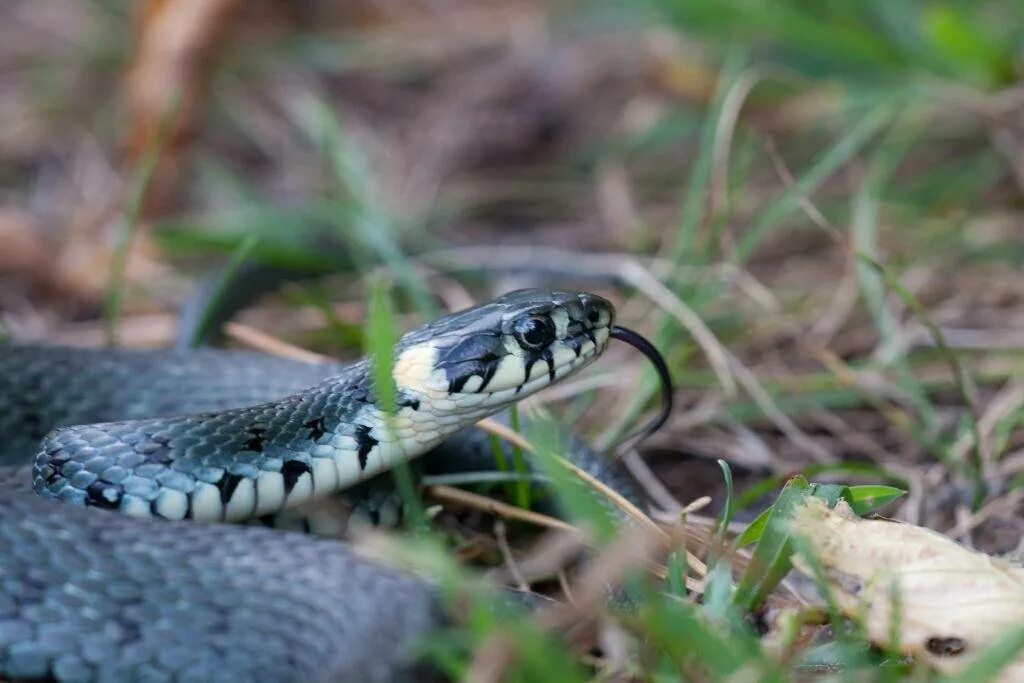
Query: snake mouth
{"points": [[515, 375]]}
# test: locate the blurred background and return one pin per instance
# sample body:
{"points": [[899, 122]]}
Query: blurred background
{"points": [[813, 207]]}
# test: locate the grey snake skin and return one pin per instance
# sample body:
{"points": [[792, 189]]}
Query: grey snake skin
{"points": [[87, 594]]}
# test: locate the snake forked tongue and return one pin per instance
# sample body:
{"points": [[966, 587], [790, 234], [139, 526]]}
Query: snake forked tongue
{"points": [[638, 342]]}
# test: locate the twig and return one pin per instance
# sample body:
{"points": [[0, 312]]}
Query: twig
{"points": [[261, 341], [510, 560], [764, 401], [496, 507], [649, 481]]}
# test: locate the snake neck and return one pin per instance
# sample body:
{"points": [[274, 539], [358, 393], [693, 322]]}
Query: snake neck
{"points": [[237, 464]]}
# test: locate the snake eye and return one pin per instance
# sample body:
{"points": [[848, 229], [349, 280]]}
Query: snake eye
{"points": [[535, 332]]}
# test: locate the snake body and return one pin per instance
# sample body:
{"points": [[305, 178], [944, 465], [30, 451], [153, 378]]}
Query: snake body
{"points": [[86, 594]]}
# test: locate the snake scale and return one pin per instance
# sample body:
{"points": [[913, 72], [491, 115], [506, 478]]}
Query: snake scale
{"points": [[169, 439]]}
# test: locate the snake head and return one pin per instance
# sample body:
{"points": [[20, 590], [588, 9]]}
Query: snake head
{"points": [[496, 353]]}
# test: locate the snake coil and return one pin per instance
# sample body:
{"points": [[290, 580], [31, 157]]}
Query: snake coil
{"points": [[168, 439]]}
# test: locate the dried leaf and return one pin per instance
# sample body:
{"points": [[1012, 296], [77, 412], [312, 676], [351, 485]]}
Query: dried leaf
{"points": [[954, 603], [165, 84]]}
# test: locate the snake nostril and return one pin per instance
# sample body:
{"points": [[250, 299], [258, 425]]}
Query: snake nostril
{"points": [[594, 316]]}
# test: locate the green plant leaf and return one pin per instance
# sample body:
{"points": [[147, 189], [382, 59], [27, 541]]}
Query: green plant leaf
{"points": [[867, 498], [754, 530], [771, 558], [770, 531]]}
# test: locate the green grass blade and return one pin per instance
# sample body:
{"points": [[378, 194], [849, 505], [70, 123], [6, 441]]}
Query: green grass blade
{"points": [[727, 512], [961, 377], [381, 338], [754, 530], [770, 561], [580, 503], [128, 226], [522, 487], [204, 329], [370, 225], [695, 199], [827, 164]]}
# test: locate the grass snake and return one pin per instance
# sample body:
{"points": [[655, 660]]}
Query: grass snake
{"points": [[169, 439]]}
